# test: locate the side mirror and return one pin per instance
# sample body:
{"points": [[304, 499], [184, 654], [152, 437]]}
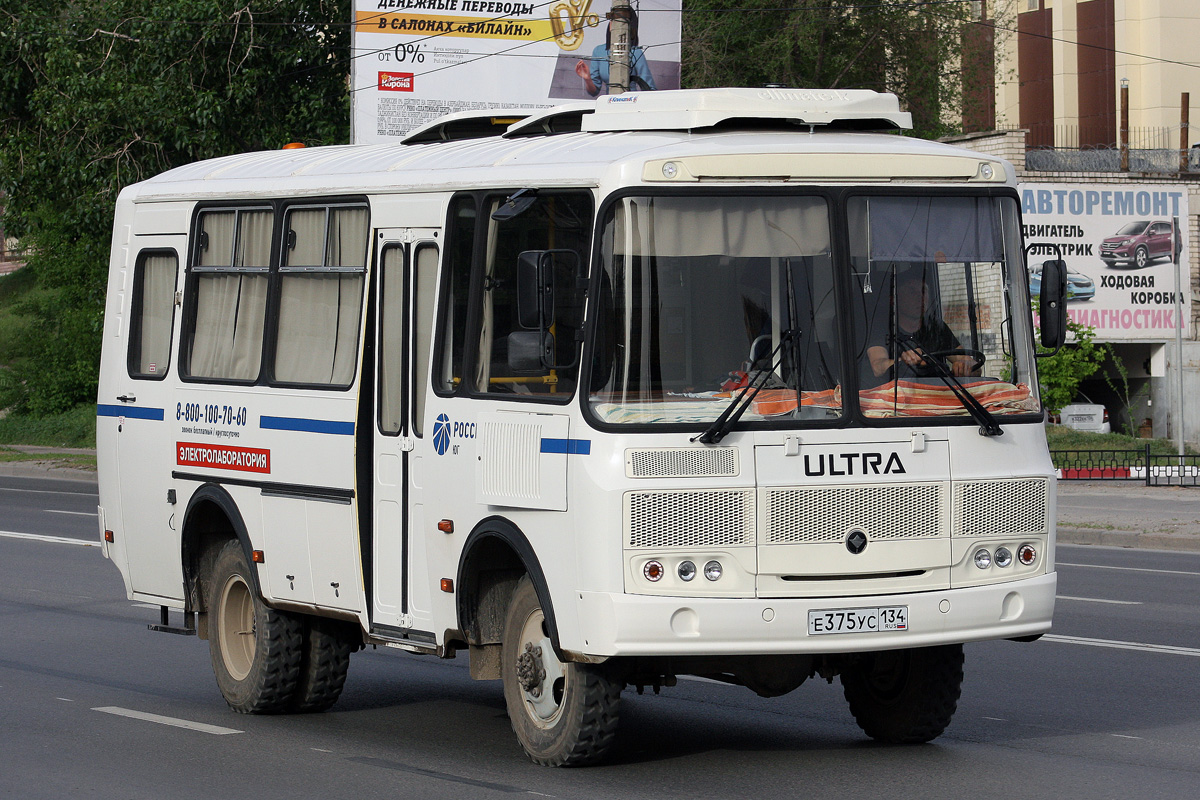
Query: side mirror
{"points": [[1052, 304], [530, 351], [549, 281], [535, 290]]}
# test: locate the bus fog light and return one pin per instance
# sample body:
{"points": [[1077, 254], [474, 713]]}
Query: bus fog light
{"points": [[653, 571], [1026, 554], [712, 570], [983, 559], [1003, 557], [687, 571]]}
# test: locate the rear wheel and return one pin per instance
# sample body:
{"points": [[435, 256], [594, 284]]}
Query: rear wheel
{"points": [[563, 713], [905, 696], [255, 650], [324, 662]]}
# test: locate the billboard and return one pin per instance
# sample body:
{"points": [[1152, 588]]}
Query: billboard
{"points": [[415, 60], [1122, 245]]}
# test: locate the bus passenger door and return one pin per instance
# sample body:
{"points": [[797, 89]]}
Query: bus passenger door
{"points": [[143, 405], [407, 269]]}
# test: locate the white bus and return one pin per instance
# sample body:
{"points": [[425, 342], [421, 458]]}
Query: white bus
{"points": [[725, 383]]}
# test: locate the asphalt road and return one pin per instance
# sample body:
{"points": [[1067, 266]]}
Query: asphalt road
{"points": [[94, 705]]}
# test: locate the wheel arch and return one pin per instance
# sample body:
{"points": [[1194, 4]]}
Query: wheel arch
{"points": [[494, 557], [211, 518]]}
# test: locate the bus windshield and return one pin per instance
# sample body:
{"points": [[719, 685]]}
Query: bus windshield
{"points": [[702, 296]]}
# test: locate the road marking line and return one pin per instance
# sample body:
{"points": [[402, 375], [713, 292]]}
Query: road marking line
{"points": [[65, 699], [1123, 736], [1099, 600], [172, 721], [75, 513], [1142, 646], [37, 537], [47, 491], [996, 719], [1130, 569]]}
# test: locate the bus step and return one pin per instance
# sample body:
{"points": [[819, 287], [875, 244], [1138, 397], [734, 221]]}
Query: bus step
{"points": [[164, 626]]}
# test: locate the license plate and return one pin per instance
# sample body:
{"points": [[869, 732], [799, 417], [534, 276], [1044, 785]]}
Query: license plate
{"points": [[1081, 417], [858, 620]]}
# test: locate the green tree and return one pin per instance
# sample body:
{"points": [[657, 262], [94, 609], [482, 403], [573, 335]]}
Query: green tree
{"points": [[1059, 375], [97, 95], [911, 49]]}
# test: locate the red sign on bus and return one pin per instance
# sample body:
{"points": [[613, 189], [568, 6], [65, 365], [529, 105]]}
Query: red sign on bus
{"points": [[218, 456]]}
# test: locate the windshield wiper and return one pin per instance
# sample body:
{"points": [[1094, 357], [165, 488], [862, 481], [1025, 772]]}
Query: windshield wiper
{"points": [[988, 426], [720, 426]]}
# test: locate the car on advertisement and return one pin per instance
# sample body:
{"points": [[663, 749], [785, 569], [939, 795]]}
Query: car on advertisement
{"points": [[1140, 242], [1079, 286]]}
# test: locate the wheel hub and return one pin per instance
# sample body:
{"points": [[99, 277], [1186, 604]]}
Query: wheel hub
{"points": [[530, 672]]}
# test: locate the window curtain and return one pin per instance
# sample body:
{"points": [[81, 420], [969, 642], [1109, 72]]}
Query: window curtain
{"points": [[230, 312], [483, 364], [157, 313], [319, 311], [231, 307]]}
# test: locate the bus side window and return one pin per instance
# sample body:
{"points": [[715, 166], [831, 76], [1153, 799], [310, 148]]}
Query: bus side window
{"points": [[456, 281], [553, 222], [424, 283], [391, 338], [230, 273], [321, 279], [152, 318]]}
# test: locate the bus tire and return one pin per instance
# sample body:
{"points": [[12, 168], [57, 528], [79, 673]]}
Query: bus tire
{"points": [[905, 696], [324, 662], [563, 713], [255, 650]]}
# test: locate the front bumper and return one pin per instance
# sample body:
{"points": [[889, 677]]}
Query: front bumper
{"points": [[641, 625]]}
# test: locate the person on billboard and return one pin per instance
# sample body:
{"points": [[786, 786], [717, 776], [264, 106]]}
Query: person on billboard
{"points": [[594, 71]]}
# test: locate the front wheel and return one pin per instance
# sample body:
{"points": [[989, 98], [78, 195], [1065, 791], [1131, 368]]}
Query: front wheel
{"points": [[255, 649], [905, 696], [563, 713]]}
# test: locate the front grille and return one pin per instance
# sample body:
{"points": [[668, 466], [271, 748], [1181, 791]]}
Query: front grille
{"points": [[701, 518], [826, 514], [1001, 508], [682, 462]]}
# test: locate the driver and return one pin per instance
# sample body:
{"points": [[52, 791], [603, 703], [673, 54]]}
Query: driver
{"points": [[915, 332]]}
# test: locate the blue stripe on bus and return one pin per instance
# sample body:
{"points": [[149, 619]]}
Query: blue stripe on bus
{"points": [[307, 425], [133, 412], [571, 447]]}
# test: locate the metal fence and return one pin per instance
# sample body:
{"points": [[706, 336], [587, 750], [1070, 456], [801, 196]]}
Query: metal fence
{"points": [[1106, 160], [1127, 465]]}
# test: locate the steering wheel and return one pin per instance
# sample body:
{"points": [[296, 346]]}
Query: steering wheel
{"points": [[942, 355]]}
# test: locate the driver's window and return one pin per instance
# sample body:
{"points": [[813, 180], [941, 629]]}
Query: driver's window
{"points": [[556, 221]]}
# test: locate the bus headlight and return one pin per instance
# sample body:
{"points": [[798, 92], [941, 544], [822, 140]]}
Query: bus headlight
{"points": [[686, 570], [983, 559], [712, 570], [1004, 557]]}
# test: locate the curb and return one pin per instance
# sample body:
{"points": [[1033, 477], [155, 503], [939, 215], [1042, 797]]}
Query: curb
{"points": [[1138, 540]]}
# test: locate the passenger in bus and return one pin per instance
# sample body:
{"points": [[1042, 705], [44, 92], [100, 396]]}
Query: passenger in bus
{"points": [[913, 331], [594, 71]]}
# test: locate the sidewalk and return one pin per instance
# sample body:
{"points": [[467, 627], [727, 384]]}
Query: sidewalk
{"points": [[1129, 514], [50, 468], [1107, 513]]}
